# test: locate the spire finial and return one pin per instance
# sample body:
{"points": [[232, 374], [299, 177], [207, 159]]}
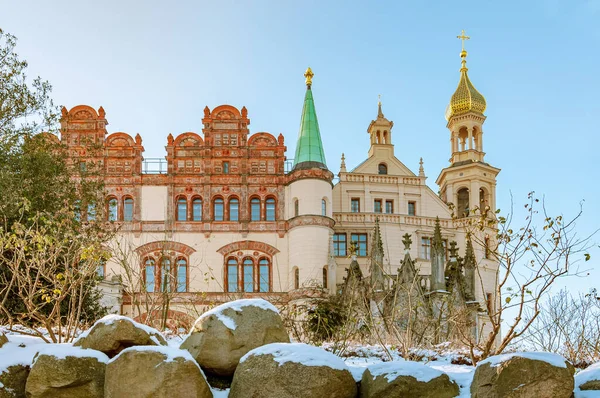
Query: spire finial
{"points": [[463, 53], [379, 112], [421, 169], [343, 164], [308, 75]]}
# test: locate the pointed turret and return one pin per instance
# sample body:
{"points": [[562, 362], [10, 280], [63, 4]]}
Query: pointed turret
{"points": [[309, 148], [407, 271], [469, 264], [380, 132], [377, 275], [437, 259]]}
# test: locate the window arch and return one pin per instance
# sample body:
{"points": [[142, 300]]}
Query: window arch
{"points": [[248, 275], [128, 209], [462, 202], [150, 275], [325, 277], [218, 209], [197, 209], [296, 208], [181, 275], [112, 210], [264, 275], [323, 207], [270, 209], [232, 275], [234, 209], [296, 278], [181, 209], [255, 209], [382, 168]]}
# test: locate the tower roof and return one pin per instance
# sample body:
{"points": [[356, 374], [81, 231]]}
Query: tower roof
{"points": [[466, 98], [309, 148]]}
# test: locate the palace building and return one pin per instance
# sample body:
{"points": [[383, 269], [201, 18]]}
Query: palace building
{"points": [[225, 215]]}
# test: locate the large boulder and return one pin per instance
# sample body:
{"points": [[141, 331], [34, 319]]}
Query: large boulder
{"points": [[113, 333], [588, 379], [3, 339], [401, 379], [221, 336], [155, 372], [291, 371], [61, 370], [15, 363], [521, 375]]}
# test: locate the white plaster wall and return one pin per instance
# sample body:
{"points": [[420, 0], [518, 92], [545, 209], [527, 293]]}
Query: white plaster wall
{"points": [[309, 193], [309, 251], [154, 203]]}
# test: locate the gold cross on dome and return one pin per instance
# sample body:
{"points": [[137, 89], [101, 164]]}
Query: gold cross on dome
{"points": [[462, 37]]}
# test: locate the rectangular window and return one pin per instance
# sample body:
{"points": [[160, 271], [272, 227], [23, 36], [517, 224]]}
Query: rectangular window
{"points": [[412, 208], [91, 212], [355, 205], [263, 273], [426, 248], [255, 210], [128, 209], [339, 245], [377, 206], [389, 206], [100, 270], [360, 240], [219, 210], [232, 278], [248, 277]]}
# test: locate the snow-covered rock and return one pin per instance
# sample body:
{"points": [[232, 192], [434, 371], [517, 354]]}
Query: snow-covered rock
{"points": [[589, 379], [406, 379], [113, 333], [61, 370], [221, 336], [155, 371], [295, 370], [528, 374], [15, 362]]}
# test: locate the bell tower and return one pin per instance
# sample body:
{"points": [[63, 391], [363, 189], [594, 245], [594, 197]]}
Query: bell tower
{"points": [[469, 183], [380, 133]]}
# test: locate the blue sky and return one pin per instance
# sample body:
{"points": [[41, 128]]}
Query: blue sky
{"points": [[155, 65]]}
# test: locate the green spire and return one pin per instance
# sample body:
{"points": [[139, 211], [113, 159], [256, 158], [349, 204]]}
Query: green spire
{"points": [[309, 148]]}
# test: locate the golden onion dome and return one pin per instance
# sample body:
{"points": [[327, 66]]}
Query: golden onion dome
{"points": [[466, 98]]}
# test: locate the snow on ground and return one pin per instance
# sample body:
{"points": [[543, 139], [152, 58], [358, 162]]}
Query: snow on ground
{"points": [[237, 306]]}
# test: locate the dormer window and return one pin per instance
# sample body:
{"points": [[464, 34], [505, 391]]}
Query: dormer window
{"points": [[382, 168]]}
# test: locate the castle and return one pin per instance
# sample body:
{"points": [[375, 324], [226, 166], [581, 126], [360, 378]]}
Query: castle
{"points": [[227, 216]]}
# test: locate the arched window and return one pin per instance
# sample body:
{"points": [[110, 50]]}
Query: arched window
{"points": [[296, 278], [165, 269], [181, 275], [113, 209], [218, 209], [149, 275], [325, 277], [182, 209], [248, 275], [463, 203], [197, 209], [296, 208], [263, 275], [270, 209], [234, 209], [323, 207], [255, 209], [382, 168], [232, 275], [91, 212], [128, 209]]}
